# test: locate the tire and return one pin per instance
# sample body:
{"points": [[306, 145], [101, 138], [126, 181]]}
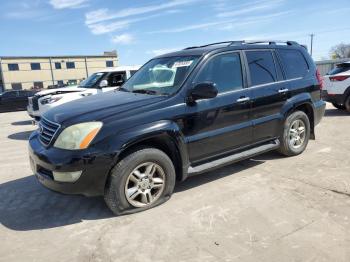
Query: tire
{"points": [[288, 148], [133, 174], [339, 106], [347, 104]]}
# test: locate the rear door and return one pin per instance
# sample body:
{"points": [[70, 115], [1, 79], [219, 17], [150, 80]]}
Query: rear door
{"points": [[219, 125], [269, 92]]}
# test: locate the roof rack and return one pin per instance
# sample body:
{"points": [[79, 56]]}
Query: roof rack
{"points": [[246, 42]]}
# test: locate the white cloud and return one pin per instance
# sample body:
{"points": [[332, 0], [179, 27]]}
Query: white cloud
{"points": [[99, 29], [257, 6], [103, 28], [225, 24], [123, 39], [61, 4], [105, 14]]}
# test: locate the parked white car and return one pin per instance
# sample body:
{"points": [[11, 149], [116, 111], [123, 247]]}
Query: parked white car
{"points": [[336, 86], [102, 81]]}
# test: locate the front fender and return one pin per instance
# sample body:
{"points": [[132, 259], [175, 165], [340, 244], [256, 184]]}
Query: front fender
{"points": [[164, 129]]}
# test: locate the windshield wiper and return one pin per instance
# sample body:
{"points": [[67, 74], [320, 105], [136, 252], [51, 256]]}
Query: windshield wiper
{"points": [[145, 91], [121, 89]]}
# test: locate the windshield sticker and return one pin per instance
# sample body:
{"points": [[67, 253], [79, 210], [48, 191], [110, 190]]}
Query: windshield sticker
{"points": [[182, 64]]}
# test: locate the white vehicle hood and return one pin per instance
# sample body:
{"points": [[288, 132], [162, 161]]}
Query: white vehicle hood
{"points": [[61, 90]]}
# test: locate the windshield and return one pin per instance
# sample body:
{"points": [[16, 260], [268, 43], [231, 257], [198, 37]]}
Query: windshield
{"points": [[340, 68], [91, 80], [161, 76]]}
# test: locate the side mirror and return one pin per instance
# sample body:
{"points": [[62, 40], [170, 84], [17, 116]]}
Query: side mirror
{"points": [[103, 83], [205, 90], [120, 82]]}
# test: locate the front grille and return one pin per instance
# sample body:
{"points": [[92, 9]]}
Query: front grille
{"points": [[35, 103], [47, 130]]}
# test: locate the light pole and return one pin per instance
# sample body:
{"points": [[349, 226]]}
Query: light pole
{"points": [[312, 42]]}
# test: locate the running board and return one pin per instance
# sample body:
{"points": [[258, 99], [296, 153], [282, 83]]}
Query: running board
{"points": [[233, 158]]}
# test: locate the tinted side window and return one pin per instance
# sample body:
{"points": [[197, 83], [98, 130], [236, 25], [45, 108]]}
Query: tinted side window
{"points": [[341, 68], [16, 86], [294, 63], [109, 64], [223, 70], [262, 67], [117, 79], [70, 65], [35, 66], [58, 65], [13, 67], [9, 94]]}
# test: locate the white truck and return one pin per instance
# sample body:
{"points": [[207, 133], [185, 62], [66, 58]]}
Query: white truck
{"points": [[102, 81]]}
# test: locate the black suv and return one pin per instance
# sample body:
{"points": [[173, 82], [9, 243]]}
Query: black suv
{"points": [[181, 114]]}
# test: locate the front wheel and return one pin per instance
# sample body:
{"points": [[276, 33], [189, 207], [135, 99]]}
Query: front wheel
{"points": [[296, 134], [141, 180]]}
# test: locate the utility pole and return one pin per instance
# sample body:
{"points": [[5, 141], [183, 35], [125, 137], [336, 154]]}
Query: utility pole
{"points": [[312, 42]]}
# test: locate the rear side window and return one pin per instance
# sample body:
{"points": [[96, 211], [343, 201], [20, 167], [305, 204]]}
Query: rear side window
{"points": [[294, 63], [341, 68], [223, 70], [262, 67]]}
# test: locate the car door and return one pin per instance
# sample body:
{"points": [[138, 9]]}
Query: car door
{"points": [[115, 79], [269, 93], [8, 101], [221, 124], [23, 99]]}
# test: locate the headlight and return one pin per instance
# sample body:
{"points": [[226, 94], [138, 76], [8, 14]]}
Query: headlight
{"points": [[50, 100], [78, 136]]}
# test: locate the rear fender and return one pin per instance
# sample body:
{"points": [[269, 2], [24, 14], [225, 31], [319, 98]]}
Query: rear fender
{"points": [[291, 105]]}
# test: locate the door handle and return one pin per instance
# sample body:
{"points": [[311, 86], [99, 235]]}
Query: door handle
{"points": [[243, 99], [284, 90]]}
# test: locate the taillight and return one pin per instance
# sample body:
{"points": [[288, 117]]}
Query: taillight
{"points": [[338, 78], [319, 78]]}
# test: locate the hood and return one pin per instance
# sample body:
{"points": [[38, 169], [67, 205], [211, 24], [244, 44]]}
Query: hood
{"points": [[100, 106], [62, 90]]}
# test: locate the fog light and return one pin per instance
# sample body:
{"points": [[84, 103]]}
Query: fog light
{"points": [[66, 176]]}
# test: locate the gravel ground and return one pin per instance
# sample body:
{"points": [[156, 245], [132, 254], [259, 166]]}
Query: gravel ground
{"points": [[269, 208]]}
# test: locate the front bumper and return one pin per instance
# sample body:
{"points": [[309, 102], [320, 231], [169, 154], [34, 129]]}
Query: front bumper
{"points": [[32, 113], [332, 98], [95, 168]]}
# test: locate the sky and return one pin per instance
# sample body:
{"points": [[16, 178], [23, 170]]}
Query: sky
{"points": [[140, 29]]}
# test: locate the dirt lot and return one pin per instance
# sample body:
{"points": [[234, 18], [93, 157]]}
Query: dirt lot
{"points": [[265, 209]]}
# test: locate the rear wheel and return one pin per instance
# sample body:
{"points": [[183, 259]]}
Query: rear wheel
{"points": [[296, 134], [347, 104], [142, 180], [339, 106]]}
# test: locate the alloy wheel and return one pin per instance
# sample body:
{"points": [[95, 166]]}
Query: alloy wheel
{"points": [[145, 184], [297, 132]]}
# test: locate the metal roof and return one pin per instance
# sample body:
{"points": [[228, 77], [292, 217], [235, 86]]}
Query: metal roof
{"points": [[56, 57], [231, 45]]}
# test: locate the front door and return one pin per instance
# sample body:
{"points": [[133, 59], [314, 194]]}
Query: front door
{"points": [[219, 125], [115, 79]]}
